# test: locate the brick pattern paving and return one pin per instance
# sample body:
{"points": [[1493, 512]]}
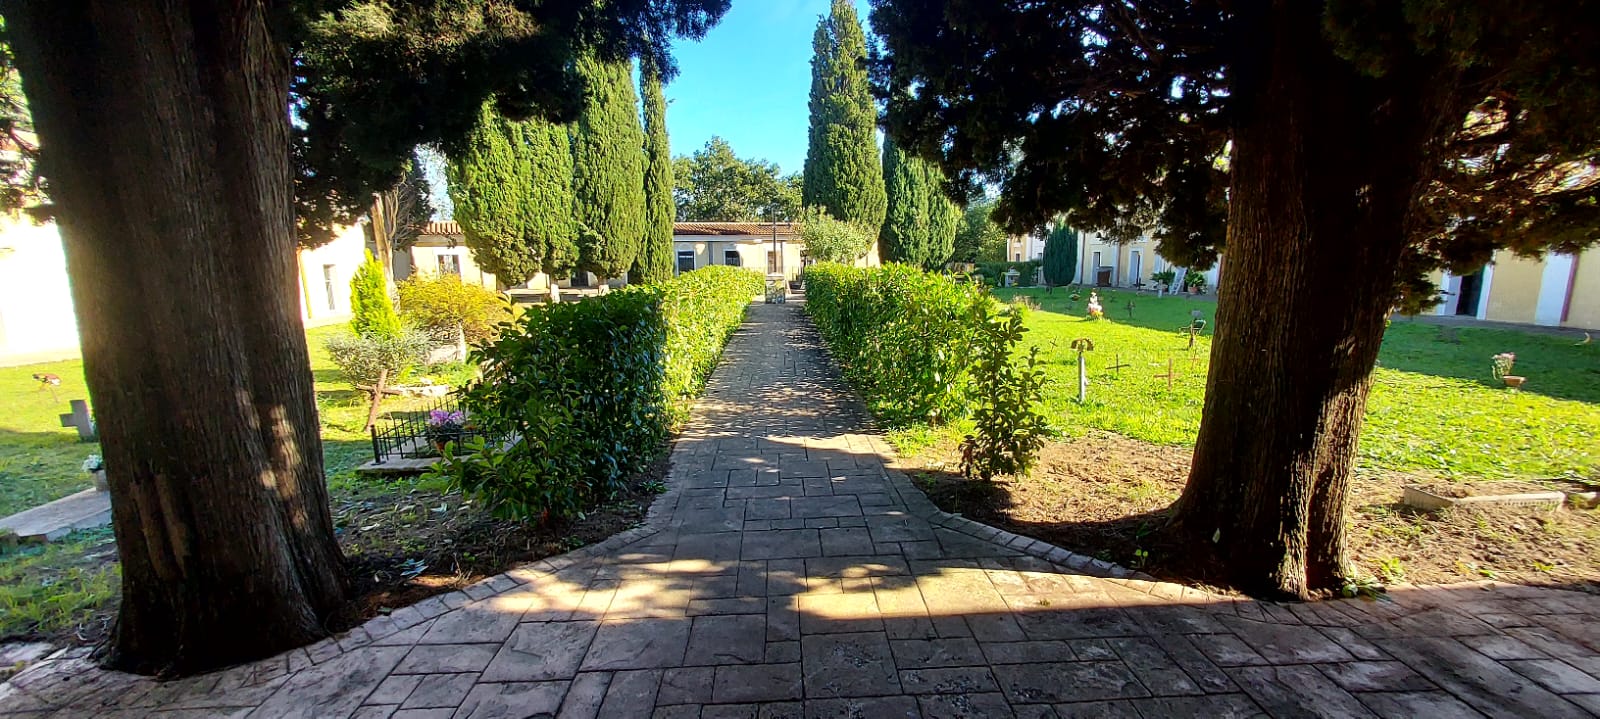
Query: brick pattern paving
{"points": [[788, 572]]}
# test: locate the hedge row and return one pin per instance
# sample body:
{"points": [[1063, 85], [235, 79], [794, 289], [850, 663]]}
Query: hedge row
{"points": [[592, 389], [924, 348]]}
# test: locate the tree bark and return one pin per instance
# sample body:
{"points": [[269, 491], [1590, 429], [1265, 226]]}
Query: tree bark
{"points": [[1324, 169], [377, 398], [165, 135]]}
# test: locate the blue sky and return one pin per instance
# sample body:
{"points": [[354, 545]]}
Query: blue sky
{"points": [[748, 81]]}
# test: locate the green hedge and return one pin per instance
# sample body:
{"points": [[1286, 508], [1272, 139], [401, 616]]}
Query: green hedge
{"points": [[924, 348], [592, 389], [994, 272]]}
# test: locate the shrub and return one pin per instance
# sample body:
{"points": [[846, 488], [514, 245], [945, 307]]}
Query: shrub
{"points": [[364, 358], [831, 240], [371, 309], [1010, 430], [591, 390], [902, 336], [440, 303], [994, 272], [924, 348]]}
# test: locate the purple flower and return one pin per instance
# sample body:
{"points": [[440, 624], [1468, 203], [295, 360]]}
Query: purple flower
{"points": [[442, 418]]}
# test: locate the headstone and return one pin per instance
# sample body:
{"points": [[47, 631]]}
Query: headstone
{"points": [[1011, 277], [80, 418]]}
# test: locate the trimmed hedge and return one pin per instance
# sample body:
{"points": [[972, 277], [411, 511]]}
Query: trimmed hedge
{"points": [[994, 272], [592, 389], [924, 348]]}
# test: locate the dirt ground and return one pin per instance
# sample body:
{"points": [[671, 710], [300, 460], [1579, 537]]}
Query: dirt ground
{"points": [[1107, 496]]}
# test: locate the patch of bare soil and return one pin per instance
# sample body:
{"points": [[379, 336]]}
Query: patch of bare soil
{"points": [[401, 548], [1107, 496]]}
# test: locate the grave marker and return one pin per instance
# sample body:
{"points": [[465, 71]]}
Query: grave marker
{"points": [[80, 418], [1082, 345]]}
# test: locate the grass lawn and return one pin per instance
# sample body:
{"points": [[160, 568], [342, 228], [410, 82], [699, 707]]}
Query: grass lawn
{"points": [[1434, 408], [48, 589]]}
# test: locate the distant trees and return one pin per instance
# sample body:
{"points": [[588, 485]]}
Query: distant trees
{"points": [[608, 170], [979, 239], [920, 227], [842, 172], [715, 185], [655, 258], [1061, 256]]}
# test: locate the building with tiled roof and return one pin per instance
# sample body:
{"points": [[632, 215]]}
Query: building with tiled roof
{"points": [[774, 248]]}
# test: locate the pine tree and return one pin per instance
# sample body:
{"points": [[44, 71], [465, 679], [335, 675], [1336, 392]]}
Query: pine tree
{"points": [[920, 227], [608, 170], [842, 172], [371, 309], [655, 259], [547, 216], [1061, 255], [491, 177]]}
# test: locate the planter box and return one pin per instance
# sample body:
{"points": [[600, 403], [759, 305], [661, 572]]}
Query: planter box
{"points": [[1425, 500]]}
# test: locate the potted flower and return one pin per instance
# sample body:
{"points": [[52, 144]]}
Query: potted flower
{"points": [[445, 426], [1503, 365], [96, 467], [1196, 282]]}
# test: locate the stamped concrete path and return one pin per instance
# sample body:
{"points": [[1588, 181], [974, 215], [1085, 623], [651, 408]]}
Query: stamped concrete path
{"points": [[788, 573]]}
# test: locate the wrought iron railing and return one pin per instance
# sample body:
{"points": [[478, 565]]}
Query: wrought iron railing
{"points": [[407, 435]]}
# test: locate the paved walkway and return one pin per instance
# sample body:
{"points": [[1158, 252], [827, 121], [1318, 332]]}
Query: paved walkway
{"points": [[788, 573]]}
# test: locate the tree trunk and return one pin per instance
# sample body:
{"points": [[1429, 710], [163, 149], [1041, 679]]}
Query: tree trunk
{"points": [[1324, 168], [377, 398], [165, 137]]}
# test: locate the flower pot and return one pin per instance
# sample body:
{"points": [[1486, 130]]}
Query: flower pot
{"points": [[1513, 381], [100, 483]]}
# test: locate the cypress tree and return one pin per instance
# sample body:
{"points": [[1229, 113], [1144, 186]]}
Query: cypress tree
{"points": [[371, 309], [842, 171], [608, 169], [547, 217], [1060, 255], [655, 258], [920, 227], [490, 177]]}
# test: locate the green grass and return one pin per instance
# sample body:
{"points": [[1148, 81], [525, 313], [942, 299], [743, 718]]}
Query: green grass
{"points": [[1434, 408], [49, 589]]}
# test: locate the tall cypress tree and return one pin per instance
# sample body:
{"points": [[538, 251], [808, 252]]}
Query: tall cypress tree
{"points": [[490, 175], [608, 169], [1061, 256], [654, 261], [547, 218], [842, 171], [920, 227]]}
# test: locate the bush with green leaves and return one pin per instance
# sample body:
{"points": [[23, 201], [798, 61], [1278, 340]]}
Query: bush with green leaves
{"points": [[827, 239], [364, 358], [1010, 429], [994, 272], [924, 348], [578, 396], [439, 303], [371, 309]]}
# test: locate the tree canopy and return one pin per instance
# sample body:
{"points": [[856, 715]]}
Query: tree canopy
{"points": [[373, 80], [608, 170], [978, 237], [715, 185], [491, 186], [828, 239], [655, 259], [842, 172], [921, 224]]}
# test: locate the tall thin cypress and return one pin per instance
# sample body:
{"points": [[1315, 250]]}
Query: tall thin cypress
{"points": [[654, 261], [608, 170], [842, 172], [920, 227], [489, 175], [547, 218]]}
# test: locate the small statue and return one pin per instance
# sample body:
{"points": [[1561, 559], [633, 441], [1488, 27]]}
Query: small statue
{"points": [[1095, 310]]}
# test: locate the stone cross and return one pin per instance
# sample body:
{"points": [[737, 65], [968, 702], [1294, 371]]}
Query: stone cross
{"points": [[79, 417]]}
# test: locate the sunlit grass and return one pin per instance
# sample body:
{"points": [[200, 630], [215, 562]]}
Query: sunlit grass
{"points": [[1434, 407]]}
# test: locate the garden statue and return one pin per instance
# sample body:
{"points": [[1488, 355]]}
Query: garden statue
{"points": [[1095, 310]]}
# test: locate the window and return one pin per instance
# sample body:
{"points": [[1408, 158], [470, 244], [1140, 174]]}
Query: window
{"points": [[772, 262], [450, 265], [731, 258], [1097, 261], [685, 260], [1018, 257], [327, 283]]}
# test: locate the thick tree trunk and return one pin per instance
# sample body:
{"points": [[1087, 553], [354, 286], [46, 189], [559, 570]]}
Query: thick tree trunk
{"points": [[1324, 168], [165, 137]]}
